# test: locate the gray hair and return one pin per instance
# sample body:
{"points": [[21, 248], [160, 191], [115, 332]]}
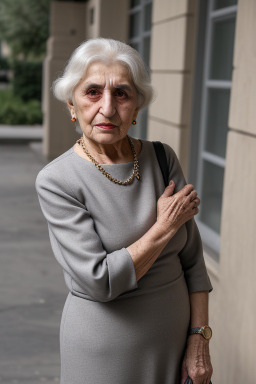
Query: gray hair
{"points": [[106, 51]]}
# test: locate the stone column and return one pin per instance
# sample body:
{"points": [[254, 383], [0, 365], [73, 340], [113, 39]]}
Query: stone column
{"points": [[107, 18], [172, 58], [67, 31]]}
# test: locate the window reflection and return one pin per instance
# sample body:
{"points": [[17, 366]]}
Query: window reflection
{"points": [[210, 209], [222, 50], [224, 3], [217, 121]]}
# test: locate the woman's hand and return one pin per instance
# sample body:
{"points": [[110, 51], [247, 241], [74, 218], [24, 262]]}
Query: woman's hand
{"points": [[174, 210], [197, 361]]}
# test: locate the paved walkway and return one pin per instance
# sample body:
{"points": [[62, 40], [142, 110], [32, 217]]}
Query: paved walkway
{"points": [[31, 282]]}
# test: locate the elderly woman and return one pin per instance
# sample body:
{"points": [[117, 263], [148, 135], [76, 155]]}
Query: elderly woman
{"points": [[137, 311]]}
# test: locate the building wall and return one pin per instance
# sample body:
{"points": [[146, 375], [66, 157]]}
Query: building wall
{"points": [[172, 58], [110, 19], [237, 285], [67, 31]]}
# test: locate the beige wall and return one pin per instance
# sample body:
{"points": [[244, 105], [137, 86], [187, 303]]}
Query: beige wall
{"points": [[172, 58], [67, 30], [110, 19], [237, 287]]}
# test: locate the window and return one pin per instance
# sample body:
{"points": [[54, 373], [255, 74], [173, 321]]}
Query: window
{"points": [[140, 16], [213, 81]]}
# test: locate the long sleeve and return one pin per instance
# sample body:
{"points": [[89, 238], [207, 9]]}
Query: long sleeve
{"points": [[191, 256], [101, 276]]}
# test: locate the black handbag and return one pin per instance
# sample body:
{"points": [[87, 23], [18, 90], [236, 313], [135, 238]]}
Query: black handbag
{"points": [[189, 381]]}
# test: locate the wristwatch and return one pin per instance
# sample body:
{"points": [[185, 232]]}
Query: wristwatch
{"points": [[205, 331]]}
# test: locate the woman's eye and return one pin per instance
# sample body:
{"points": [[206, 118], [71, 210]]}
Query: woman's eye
{"points": [[121, 94], [93, 92]]}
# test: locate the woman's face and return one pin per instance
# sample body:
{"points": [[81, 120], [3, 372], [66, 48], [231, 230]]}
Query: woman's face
{"points": [[105, 103]]}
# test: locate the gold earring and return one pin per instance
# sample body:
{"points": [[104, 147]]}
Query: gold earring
{"points": [[134, 122]]}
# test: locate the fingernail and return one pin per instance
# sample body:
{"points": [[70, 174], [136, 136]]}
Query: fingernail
{"points": [[171, 182]]}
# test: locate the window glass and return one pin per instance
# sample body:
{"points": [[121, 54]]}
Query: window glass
{"points": [[224, 3], [217, 121], [148, 17], [135, 24], [146, 50], [134, 3], [222, 49], [211, 198]]}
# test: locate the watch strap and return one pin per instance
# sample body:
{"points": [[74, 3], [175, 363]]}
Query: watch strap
{"points": [[195, 331]]}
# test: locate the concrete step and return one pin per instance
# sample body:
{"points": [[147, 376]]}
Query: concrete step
{"points": [[20, 133]]}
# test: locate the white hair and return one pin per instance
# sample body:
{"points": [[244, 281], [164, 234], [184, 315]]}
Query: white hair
{"points": [[106, 51]]}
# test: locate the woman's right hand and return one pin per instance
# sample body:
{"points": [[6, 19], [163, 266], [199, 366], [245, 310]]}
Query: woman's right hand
{"points": [[174, 210]]}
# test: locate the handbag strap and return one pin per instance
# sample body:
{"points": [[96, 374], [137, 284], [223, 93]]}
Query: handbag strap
{"points": [[162, 160]]}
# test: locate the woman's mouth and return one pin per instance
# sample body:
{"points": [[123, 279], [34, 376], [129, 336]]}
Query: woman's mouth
{"points": [[106, 126]]}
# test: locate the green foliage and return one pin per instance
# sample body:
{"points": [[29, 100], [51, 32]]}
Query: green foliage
{"points": [[4, 63], [14, 111], [24, 25], [27, 80], [4, 68]]}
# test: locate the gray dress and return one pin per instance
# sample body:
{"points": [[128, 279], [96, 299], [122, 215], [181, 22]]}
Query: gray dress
{"points": [[115, 330]]}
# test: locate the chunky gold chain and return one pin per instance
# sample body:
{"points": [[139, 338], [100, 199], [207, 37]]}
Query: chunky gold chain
{"points": [[134, 174]]}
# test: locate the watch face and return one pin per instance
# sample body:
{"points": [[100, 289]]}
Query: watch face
{"points": [[207, 332]]}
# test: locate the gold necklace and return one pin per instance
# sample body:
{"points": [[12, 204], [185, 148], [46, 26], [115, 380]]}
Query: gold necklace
{"points": [[135, 172]]}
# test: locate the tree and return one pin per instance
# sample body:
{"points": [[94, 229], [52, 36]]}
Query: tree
{"points": [[24, 26]]}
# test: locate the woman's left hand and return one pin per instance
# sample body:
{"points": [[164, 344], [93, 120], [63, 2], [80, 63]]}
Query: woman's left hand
{"points": [[197, 361]]}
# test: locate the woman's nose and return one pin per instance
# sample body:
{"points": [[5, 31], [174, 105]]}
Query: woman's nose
{"points": [[108, 107]]}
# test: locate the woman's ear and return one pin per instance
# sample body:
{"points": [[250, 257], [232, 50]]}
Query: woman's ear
{"points": [[70, 105], [71, 108], [135, 113]]}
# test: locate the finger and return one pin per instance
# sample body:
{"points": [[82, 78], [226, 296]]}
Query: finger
{"points": [[196, 202], [208, 380], [190, 203], [184, 374], [169, 189], [185, 191], [192, 195], [194, 211]]}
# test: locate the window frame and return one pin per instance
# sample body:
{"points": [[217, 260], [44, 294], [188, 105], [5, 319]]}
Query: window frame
{"points": [[140, 130], [202, 84]]}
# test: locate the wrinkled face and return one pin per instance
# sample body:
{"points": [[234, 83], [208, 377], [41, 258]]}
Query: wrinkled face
{"points": [[105, 102]]}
